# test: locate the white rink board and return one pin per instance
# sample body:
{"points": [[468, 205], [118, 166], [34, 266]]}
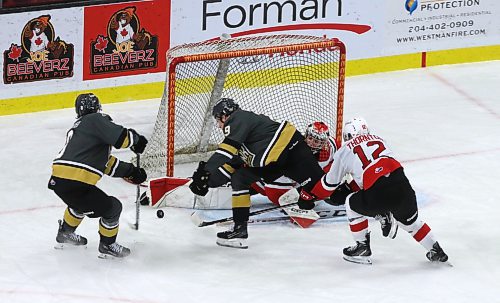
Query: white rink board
{"points": [[389, 21]]}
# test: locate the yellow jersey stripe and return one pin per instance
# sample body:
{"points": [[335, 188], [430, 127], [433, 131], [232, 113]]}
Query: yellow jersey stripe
{"points": [[75, 173], [228, 148], [126, 141], [228, 168], [112, 161], [279, 144]]}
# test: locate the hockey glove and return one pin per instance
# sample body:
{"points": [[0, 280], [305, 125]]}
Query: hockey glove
{"points": [[199, 186], [306, 200], [138, 175], [339, 195], [140, 142]]}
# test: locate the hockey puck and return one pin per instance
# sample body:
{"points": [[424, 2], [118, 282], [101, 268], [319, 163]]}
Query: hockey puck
{"points": [[160, 213]]}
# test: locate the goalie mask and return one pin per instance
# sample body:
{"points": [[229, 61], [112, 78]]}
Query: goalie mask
{"points": [[355, 127], [87, 104], [225, 106], [317, 134]]}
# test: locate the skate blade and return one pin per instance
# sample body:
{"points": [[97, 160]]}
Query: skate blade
{"points": [[233, 243], [393, 232], [61, 246], [439, 263], [106, 256], [358, 260]]}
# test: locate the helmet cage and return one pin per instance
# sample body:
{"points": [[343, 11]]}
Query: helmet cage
{"points": [[317, 135]]}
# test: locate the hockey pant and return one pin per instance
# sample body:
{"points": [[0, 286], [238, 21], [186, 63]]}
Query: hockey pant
{"points": [[394, 194], [88, 200]]}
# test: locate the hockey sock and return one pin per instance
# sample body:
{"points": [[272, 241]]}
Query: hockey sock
{"points": [[421, 232], [108, 231], [72, 219]]}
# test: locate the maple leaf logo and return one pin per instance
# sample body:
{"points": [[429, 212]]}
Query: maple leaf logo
{"points": [[15, 52], [38, 41], [124, 33], [101, 44]]}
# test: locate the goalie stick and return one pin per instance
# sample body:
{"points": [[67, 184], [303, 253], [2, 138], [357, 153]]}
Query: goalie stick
{"points": [[290, 198], [198, 221], [335, 215]]}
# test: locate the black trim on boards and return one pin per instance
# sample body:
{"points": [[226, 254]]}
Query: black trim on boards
{"points": [[13, 10]]}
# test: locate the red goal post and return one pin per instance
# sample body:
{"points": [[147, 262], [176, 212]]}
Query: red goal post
{"points": [[286, 77]]}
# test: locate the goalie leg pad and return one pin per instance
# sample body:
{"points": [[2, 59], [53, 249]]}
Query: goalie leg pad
{"points": [[175, 192], [302, 217]]}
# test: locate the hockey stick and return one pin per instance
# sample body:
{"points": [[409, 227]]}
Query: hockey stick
{"points": [[333, 215], [198, 221], [138, 197], [289, 198]]}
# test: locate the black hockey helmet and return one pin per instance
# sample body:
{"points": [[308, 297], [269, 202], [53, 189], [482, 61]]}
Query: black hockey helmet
{"points": [[225, 106], [87, 104]]}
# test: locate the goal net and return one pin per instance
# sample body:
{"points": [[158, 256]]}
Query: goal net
{"points": [[286, 77]]}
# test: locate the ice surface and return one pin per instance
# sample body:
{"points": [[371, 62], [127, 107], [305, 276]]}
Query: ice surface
{"points": [[443, 122]]}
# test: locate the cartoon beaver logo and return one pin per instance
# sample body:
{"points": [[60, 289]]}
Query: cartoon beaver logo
{"points": [[127, 45], [40, 56], [124, 27]]}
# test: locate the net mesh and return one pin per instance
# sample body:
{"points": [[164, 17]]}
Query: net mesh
{"points": [[286, 77]]}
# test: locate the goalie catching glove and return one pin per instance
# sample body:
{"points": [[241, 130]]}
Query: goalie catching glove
{"points": [[199, 186]]}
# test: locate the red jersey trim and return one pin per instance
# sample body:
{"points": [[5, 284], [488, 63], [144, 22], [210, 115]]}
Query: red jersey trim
{"points": [[380, 168]]}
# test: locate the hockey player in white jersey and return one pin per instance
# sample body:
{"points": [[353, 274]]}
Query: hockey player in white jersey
{"points": [[385, 193]]}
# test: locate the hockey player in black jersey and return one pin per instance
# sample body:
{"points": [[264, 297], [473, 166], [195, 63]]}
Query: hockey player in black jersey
{"points": [[269, 149], [84, 159]]}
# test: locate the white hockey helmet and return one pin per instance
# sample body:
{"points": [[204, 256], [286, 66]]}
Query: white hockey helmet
{"points": [[355, 127]]}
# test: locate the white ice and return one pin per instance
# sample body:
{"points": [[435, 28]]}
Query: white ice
{"points": [[443, 122]]}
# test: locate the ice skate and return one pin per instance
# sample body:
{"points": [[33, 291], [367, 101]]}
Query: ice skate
{"points": [[388, 225], [436, 254], [237, 237], [359, 253], [113, 250], [68, 239]]}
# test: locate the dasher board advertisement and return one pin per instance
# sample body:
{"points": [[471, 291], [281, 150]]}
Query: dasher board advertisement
{"points": [[368, 28], [437, 25], [125, 39]]}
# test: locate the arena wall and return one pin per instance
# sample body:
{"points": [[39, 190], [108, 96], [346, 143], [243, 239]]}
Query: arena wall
{"points": [[83, 49]]}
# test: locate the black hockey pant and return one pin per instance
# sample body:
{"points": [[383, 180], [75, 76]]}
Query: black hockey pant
{"points": [[388, 194], [91, 201]]}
